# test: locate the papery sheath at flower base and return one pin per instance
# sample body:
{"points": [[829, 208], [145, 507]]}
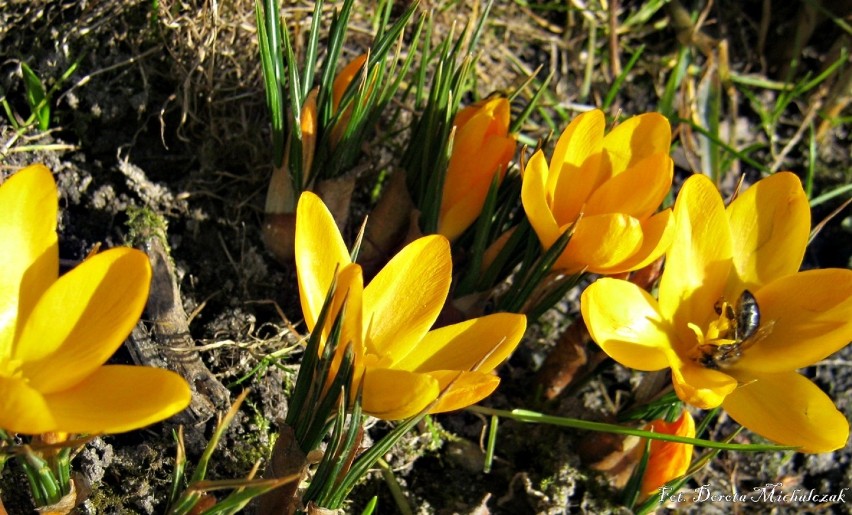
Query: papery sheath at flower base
{"points": [[607, 188], [667, 460], [755, 244], [56, 332], [482, 147], [403, 365]]}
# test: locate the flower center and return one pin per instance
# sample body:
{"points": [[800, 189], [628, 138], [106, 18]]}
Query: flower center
{"points": [[722, 331], [729, 335]]}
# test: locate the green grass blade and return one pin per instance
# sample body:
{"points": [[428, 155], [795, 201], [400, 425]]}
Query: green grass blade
{"points": [[311, 48], [666, 105], [522, 415], [36, 97], [531, 106], [270, 60], [825, 197], [716, 141], [616, 85]]}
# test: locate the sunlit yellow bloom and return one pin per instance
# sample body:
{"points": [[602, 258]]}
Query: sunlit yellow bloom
{"points": [[613, 184], [668, 460], [57, 332], [405, 365], [754, 245], [482, 147]]}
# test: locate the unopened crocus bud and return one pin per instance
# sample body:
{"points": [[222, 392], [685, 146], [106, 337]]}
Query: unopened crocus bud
{"points": [[343, 78], [277, 230], [338, 88], [668, 460], [482, 147], [308, 125]]}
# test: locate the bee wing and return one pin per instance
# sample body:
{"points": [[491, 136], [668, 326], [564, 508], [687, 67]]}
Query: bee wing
{"points": [[762, 332]]}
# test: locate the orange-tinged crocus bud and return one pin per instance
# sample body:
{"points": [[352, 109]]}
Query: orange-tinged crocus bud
{"points": [[281, 196], [606, 189], [482, 147], [668, 460], [308, 125], [342, 80], [338, 88]]}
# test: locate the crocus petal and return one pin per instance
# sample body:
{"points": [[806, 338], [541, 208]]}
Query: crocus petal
{"points": [[496, 108], [701, 387], [470, 137], [319, 252], [668, 460], [634, 140], [699, 259], [397, 394], [30, 253], [83, 318], [472, 169], [770, 223], [601, 242], [807, 316], [118, 398], [536, 201], [482, 147], [468, 180], [404, 299], [625, 321], [575, 165], [790, 410], [494, 250], [460, 216], [657, 234], [652, 176], [477, 167], [350, 288], [481, 343], [22, 408], [465, 114], [343, 78], [308, 123], [465, 388]]}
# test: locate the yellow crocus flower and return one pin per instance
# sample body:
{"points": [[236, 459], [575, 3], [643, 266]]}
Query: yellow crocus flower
{"points": [[404, 366], [57, 332], [735, 319], [482, 147], [611, 186]]}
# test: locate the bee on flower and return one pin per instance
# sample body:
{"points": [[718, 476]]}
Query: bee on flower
{"points": [[734, 319]]}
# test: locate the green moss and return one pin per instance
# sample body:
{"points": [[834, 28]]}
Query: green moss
{"points": [[143, 224]]}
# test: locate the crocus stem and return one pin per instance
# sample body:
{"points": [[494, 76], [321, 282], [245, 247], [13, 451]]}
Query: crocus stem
{"points": [[533, 417]]}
